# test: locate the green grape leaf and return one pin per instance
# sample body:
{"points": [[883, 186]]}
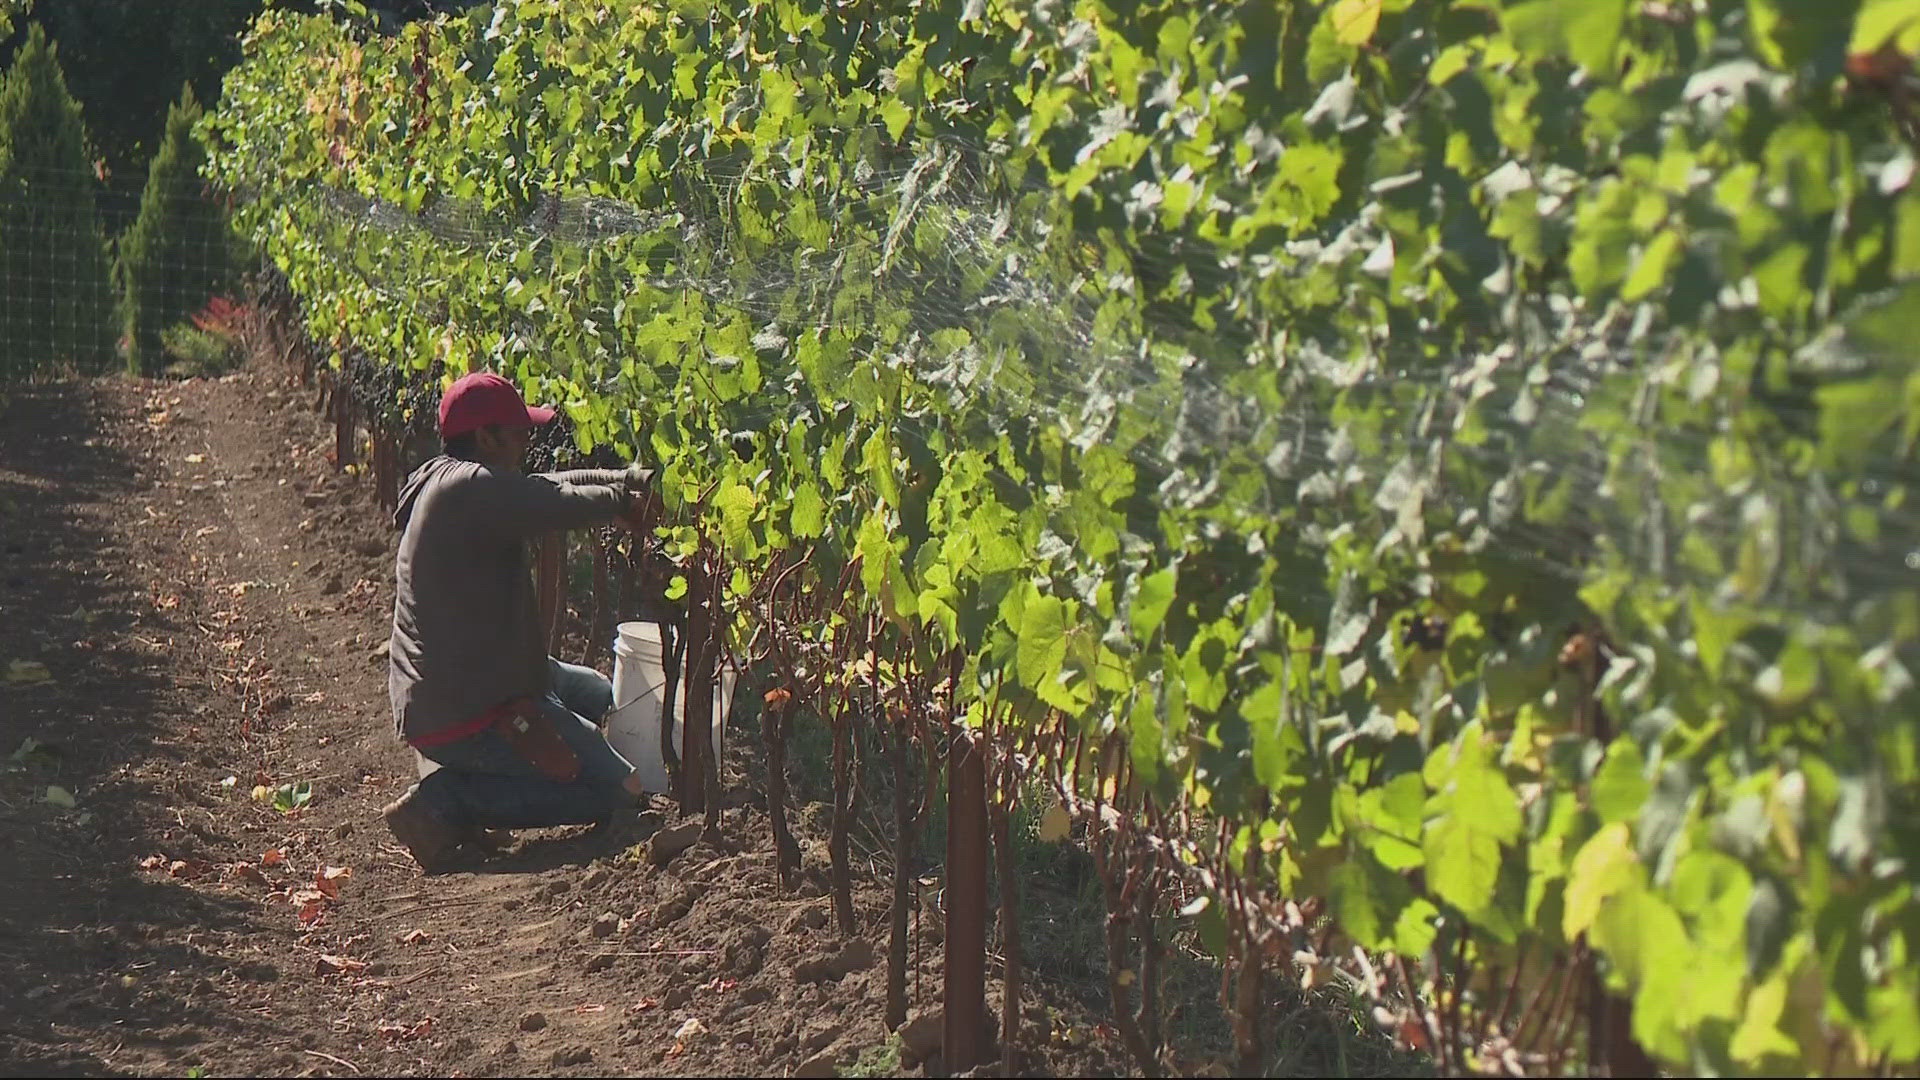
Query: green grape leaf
{"points": [[1152, 598], [1620, 787], [1042, 641], [1354, 21], [1584, 31], [1886, 22], [1604, 866], [808, 516], [1463, 862]]}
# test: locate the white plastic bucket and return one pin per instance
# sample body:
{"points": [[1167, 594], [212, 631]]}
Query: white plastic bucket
{"points": [[639, 685]]}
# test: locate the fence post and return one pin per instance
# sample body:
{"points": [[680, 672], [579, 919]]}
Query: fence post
{"points": [[344, 451], [965, 1035]]}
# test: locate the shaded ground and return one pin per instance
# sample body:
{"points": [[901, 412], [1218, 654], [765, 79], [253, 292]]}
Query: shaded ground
{"points": [[192, 603]]}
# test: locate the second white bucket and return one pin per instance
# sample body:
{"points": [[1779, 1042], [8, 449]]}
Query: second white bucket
{"points": [[639, 687]]}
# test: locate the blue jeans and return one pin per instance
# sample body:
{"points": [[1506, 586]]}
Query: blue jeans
{"points": [[483, 783]]}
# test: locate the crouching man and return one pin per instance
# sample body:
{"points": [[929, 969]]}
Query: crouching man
{"points": [[473, 688]]}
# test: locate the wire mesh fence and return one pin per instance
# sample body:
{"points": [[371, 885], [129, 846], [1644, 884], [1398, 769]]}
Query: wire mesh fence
{"points": [[75, 299], [956, 254]]}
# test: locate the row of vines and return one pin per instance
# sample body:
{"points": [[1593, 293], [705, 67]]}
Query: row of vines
{"points": [[1427, 480]]}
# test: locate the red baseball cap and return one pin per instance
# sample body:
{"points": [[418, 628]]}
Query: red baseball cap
{"points": [[482, 399]]}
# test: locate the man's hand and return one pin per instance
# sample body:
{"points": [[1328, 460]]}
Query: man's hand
{"points": [[642, 508], [638, 481]]}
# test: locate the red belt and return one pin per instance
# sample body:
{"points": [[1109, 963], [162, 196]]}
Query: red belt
{"points": [[463, 729]]}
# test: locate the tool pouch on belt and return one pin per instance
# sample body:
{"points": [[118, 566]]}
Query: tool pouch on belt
{"points": [[530, 732]]}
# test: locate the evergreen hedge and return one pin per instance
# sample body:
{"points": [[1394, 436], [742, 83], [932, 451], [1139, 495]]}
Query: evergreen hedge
{"points": [[174, 258], [55, 288]]}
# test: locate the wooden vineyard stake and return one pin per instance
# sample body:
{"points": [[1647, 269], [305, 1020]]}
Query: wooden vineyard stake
{"points": [[343, 448], [905, 822], [966, 1039], [697, 676]]}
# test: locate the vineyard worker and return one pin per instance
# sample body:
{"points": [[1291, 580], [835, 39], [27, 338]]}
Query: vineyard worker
{"points": [[472, 686]]}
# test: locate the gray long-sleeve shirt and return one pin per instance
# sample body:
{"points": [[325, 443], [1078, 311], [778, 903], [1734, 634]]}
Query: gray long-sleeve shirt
{"points": [[466, 626]]}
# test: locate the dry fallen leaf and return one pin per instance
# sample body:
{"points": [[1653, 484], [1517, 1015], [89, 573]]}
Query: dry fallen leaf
{"points": [[272, 857], [246, 871], [329, 964], [196, 459], [309, 905], [402, 1031], [413, 937], [1055, 825], [328, 880], [28, 672], [154, 862], [593, 1008]]}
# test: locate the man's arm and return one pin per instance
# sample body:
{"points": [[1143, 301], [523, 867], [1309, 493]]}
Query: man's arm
{"points": [[633, 477], [517, 506], [586, 477]]}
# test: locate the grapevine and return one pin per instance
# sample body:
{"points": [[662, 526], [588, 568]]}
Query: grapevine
{"points": [[1439, 465]]}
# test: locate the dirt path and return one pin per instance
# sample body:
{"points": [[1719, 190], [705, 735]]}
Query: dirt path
{"points": [[191, 605]]}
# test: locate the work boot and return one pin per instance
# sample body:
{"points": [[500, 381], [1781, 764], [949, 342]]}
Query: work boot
{"points": [[427, 836]]}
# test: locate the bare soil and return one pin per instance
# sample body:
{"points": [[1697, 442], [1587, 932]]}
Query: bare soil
{"points": [[208, 597]]}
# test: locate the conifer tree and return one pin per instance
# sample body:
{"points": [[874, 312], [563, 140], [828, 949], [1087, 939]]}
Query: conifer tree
{"points": [[174, 257], [56, 298]]}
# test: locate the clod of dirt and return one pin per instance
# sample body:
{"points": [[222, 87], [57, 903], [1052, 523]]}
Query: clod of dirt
{"points": [[824, 1063], [257, 971], [807, 918], [573, 1055], [595, 877], [672, 909], [745, 951], [371, 547], [332, 585], [822, 1037], [606, 924], [668, 843], [922, 1035], [600, 961], [855, 955], [646, 823], [533, 1021]]}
